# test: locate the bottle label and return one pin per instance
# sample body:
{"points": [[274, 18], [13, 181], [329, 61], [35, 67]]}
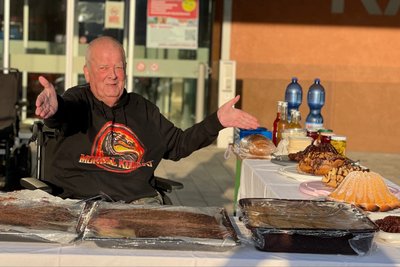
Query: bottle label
{"points": [[314, 126]]}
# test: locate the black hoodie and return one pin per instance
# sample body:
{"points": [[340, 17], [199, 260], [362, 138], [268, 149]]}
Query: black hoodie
{"points": [[116, 150]]}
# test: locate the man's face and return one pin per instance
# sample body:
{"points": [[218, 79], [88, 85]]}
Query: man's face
{"points": [[105, 72]]}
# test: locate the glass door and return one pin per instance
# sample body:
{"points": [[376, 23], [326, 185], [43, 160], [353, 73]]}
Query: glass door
{"points": [[50, 37], [166, 75], [36, 44]]}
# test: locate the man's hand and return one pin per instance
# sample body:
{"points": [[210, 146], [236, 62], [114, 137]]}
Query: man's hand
{"points": [[229, 116], [46, 102]]}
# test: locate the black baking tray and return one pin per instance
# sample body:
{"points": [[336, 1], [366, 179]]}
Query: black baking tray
{"points": [[308, 226], [116, 225]]}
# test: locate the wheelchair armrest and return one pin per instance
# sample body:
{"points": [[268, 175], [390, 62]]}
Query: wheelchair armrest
{"points": [[167, 185], [32, 183], [22, 103]]}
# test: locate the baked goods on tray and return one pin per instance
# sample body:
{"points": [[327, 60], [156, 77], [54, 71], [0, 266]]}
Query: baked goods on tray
{"points": [[337, 174], [321, 147], [367, 190], [153, 223], [27, 215], [318, 159], [125, 225], [307, 226], [39, 216], [323, 160], [320, 163]]}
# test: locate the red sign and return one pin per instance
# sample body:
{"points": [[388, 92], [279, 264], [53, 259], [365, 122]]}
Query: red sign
{"points": [[140, 66], [184, 9]]}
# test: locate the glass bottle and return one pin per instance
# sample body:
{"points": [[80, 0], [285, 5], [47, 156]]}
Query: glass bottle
{"points": [[316, 100], [275, 124], [296, 118], [293, 95], [283, 123], [290, 114]]}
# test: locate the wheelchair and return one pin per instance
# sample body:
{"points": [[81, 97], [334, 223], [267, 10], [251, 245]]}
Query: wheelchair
{"points": [[15, 160], [45, 141]]}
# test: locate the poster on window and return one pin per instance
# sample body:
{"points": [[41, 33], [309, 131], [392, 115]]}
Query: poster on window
{"points": [[114, 15], [172, 24]]}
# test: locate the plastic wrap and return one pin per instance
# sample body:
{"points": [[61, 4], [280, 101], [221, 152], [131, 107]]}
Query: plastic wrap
{"points": [[308, 226], [115, 225], [254, 146], [37, 216]]}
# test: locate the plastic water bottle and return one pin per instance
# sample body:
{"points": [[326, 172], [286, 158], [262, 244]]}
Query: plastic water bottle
{"points": [[316, 100], [294, 96]]}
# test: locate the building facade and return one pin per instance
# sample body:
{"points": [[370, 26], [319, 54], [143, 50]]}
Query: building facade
{"points": [[350, 45]]}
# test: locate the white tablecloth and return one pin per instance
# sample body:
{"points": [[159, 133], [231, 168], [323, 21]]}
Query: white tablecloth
{"points": [[261, 179], [88, 254]]}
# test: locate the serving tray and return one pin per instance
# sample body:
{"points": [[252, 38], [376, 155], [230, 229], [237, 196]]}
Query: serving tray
{"points": [[307, 226], [35, 216], [113, 225]]}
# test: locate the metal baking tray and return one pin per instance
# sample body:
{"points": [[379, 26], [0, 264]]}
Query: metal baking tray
{"points": [[307, 226], [29, 216], [115, 225]]}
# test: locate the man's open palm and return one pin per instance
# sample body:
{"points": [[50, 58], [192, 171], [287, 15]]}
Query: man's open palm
{"points": [[46, 102], [229, 116]]}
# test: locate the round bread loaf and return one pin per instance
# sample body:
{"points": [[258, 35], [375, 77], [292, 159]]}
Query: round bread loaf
{"points": [[257, 145]]}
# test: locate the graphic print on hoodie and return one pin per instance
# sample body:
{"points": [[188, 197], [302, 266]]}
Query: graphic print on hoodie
{"points": [[116, 149]]}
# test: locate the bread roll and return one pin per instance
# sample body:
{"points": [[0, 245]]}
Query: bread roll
{"points": [[256, 146]]}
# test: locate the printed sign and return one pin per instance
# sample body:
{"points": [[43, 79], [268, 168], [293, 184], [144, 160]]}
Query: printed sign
{"points": [[172, 24], [114, 17]]}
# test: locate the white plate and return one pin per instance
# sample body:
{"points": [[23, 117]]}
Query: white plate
{"points": [[392, 239], [292, 172]]}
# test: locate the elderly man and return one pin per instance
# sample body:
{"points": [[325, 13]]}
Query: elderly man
{"points": [[111, 141]]}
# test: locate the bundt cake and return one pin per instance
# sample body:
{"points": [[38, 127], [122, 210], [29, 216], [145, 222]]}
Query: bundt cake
{"points": [[367, 190]]}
